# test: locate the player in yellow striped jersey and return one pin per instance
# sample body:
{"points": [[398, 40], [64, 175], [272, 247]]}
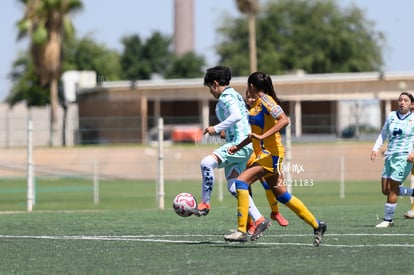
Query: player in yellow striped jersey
{"points": [[267, 118], [273, 204]]}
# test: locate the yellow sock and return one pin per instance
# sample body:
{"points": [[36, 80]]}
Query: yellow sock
{"points": [[242, 209], [272, 201], [412, 206], [297, 206]]}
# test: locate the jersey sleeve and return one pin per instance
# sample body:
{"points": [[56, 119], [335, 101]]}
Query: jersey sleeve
{"points": [[382, 136], [272, 107], [234, 117]]}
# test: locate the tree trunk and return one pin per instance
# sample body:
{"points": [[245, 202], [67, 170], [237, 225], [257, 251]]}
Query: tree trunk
{"points": [[252, 43], [54, 105]]}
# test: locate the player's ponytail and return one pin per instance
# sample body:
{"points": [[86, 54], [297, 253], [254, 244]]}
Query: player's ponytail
{"points": [[268, 87]]}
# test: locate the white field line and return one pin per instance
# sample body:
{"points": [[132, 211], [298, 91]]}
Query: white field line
{"points": [[161, 239]]}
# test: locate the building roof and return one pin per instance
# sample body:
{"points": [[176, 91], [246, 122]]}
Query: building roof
{"points": [[294, 87]]}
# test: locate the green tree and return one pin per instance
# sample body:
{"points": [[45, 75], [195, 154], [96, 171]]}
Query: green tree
{"points": [[46, 22], [311, 35], [26, 85], [85, 54], [188, 65], [140, 60]]}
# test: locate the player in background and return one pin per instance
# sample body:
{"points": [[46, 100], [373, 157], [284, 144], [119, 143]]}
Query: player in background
{"points": [[410, 213], [267, 118], [232, 114], [273, 204], [399, 130]]}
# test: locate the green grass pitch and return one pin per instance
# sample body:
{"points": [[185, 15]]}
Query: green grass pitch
{"points": [[127, 234]]}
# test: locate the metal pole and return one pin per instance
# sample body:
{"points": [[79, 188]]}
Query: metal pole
{"points": [[95, 183], [342, 178], [160, 188], [30, 189], [288, 157]]}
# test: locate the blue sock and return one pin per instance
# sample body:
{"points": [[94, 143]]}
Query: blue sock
{"points": [[404, 191]]}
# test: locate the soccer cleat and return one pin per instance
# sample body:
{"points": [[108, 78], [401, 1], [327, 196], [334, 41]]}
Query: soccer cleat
{"points": [[260, 228], [251, 227], [276, 216], [202, 209], [409, 214], [318, 233], [385, 224], [237, 237]]}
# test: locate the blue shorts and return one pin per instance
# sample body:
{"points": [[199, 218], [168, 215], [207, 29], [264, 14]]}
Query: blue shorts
{"points": [[397, 168], [236, 161]]}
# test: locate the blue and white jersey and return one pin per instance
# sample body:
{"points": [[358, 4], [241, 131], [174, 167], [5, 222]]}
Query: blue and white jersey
{"points": [[399, 129], [233, 116]]}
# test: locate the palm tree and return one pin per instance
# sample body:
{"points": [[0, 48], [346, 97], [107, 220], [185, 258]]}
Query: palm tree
{"points": [[46, 22], [250, 7]]}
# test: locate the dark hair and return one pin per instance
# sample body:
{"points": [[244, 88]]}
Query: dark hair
{"points": [[410, 96], [263, 82], [221, 74]]}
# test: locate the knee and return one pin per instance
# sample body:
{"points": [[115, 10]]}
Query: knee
{"points": [[284, 198], [209, 162], [232, 189]]}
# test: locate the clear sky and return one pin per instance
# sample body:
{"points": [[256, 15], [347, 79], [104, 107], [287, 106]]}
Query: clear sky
{"points": [[107, 21]]}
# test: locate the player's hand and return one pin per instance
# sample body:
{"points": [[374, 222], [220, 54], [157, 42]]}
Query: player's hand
{"points": [[373, 155], [256, 136], [411, 157], [223, 134], [210, 130], [232, 149]]}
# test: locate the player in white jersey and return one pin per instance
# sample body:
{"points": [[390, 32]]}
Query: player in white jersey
{"points": [[399, 156], [233, 116]]}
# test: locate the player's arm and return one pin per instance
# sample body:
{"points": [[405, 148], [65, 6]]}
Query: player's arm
{"points": [[379, 141], [234, 148], [234, 117], [278, 114], [282, 122]]}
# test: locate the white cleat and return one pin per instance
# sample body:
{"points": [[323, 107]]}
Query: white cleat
{"points": [[384, 224], [409, 214]]}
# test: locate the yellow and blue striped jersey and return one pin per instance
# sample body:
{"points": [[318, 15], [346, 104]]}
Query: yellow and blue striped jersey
{"points": [[262, 117]]}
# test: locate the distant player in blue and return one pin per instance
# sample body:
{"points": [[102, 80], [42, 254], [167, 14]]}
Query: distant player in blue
{"points": [[399, 156]]}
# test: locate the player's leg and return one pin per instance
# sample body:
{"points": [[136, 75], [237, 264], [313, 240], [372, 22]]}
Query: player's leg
{"points": [[390, 189], [293, 203], [242, 189], [300, 209], [274, 206], [410, 213], [396, 170], [254, 218], [207, 166]]}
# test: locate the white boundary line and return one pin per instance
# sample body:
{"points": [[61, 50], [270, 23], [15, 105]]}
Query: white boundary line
{"points": [[159, 239]]}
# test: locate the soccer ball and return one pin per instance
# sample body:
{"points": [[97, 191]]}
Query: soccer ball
{"points": [[184, 204]]}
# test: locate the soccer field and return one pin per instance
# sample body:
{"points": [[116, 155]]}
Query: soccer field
{"points": [[126, 234]]}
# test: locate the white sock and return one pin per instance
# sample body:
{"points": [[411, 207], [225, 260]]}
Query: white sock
{"points": [[207, 166], [389, 211], [253, 211]]}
